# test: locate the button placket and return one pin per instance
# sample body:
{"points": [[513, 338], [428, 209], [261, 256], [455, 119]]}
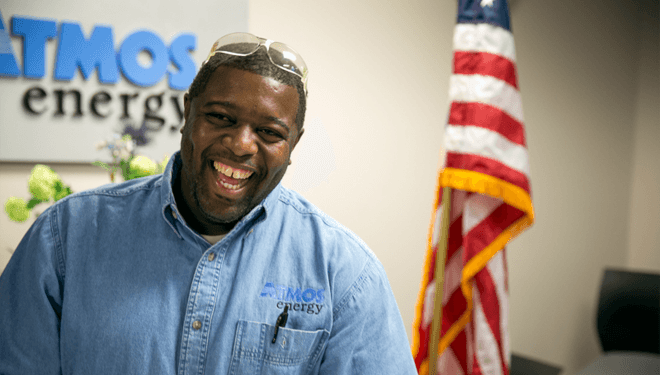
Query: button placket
{"points": [[202, 300]]}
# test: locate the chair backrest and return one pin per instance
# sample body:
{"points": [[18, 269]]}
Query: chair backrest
{"points": [[629, 311], [521, 365]]}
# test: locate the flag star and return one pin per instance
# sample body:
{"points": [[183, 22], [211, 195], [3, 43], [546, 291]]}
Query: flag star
{"points": [[487, 3]]}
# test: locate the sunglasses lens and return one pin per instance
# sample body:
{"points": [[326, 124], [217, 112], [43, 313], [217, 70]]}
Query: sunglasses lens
{"points": [[288, 59], [237, 43], [240, 44]]}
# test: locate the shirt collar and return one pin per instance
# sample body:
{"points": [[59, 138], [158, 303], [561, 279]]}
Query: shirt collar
{"points": [[168, 203]]}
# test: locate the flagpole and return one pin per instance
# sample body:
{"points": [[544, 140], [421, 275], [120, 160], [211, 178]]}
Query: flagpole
{"points": [[439, 277]]}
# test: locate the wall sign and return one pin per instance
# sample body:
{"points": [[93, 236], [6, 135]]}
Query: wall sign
{"points": [[75, 83]]}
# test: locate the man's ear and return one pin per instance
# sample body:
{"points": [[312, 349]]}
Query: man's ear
{"points": [[295, 141], [186, 110]]}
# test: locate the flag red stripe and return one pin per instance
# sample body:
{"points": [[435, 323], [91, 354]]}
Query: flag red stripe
{"points": [[453, 310], [487, 166], [424, 334], [459, 347], [491, 308], [486, 64], [488, 117], [476, 370], [482, 234], [454, 242]]}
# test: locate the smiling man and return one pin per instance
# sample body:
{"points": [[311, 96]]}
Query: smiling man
{"points": [[236, 145], [212, 267]]}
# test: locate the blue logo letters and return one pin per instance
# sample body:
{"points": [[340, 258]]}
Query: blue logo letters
{"points": [[97, 52], [74, 50], [35, 34]]}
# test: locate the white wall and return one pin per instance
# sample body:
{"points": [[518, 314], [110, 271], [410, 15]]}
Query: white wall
{"points": [[644, 220], [578, 73], [378, 103]]}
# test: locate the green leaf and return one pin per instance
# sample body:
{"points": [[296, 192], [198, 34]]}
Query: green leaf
{"points": [[59, 185], [64, 192], [102, 165], [125, 166], [33, 202]]}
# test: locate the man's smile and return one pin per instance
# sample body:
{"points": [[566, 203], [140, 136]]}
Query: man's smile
{"points": [[231, 178]]}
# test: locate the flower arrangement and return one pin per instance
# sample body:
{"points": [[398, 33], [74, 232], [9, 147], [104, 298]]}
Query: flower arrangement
{"points": [[46, 186], [125, 161]]}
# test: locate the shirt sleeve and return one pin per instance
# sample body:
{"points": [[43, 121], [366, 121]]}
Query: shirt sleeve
{"points": [[368, 335], [31, 302]]}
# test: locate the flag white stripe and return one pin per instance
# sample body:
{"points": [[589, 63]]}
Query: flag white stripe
{"points": [[487, 353], [469, 336], [448, 364], [484, 38], [486, 143], [488, 90], [477, 208], [437, 227], [429, 296], [456, 210], [453, 270], [496, 269], [452, 282]]}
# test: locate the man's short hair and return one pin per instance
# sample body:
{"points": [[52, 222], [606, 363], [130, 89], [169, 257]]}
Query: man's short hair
{"points": [[258, 63]]}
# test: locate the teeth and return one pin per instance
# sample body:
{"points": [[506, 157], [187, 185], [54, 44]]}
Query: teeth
{"points": [[228, 186], [229, 172]]}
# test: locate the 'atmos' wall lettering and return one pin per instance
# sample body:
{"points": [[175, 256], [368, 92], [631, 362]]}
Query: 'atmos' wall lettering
{"points": [[98, 52]]}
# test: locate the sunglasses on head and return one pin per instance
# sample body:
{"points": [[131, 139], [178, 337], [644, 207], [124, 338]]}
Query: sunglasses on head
{"points": [[245, 44]]}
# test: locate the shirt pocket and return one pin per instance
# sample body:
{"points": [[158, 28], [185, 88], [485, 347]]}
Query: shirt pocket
{"points": [[294, 352]]}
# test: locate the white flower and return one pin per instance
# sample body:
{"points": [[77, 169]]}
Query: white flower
{"points": [[101, 145]]}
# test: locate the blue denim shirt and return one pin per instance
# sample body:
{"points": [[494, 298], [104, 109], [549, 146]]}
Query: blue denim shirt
{"points": [[113, 281]]}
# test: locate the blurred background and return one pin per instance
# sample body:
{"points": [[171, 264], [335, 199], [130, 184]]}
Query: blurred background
{"points": [[589, 75]]}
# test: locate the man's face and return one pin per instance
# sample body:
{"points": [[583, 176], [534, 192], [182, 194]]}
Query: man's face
{"points": [[236, 144]]}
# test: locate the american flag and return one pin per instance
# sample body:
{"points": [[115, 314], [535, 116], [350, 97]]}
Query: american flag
{"points": [[487, 168]]}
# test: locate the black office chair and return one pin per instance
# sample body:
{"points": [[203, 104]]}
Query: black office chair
{"points": [[628, 323], [629, 312], [521, 365]]}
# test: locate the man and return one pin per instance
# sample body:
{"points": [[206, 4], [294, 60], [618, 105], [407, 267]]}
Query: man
{"points": [[212, 267]]}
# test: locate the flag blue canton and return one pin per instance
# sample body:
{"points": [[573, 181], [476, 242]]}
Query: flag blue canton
{"points": [[494, 12]]}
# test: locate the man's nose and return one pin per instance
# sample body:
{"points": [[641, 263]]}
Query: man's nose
{"points": [[241, 141]]}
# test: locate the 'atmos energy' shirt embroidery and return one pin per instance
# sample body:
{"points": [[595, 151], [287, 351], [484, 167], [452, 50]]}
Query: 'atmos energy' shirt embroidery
{"points": [[309, 300]]}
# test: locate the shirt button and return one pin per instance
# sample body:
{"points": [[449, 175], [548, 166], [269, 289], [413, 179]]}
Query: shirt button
{"points": [[174, 215], [197, 325], [211, 257]]}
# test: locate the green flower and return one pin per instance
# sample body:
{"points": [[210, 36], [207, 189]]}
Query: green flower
{"points": [[163, 164], [141, 166], [42, 182], [17, 209]]}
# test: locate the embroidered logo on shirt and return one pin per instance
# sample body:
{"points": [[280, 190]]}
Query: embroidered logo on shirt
{"points": [[309, 300]]}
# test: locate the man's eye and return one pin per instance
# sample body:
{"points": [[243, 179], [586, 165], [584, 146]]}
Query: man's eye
{"points": [[270, 135], [221, 117]]}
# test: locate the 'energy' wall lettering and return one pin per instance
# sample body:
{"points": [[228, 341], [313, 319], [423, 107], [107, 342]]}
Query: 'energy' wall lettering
{"points": [[98, 52]]}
